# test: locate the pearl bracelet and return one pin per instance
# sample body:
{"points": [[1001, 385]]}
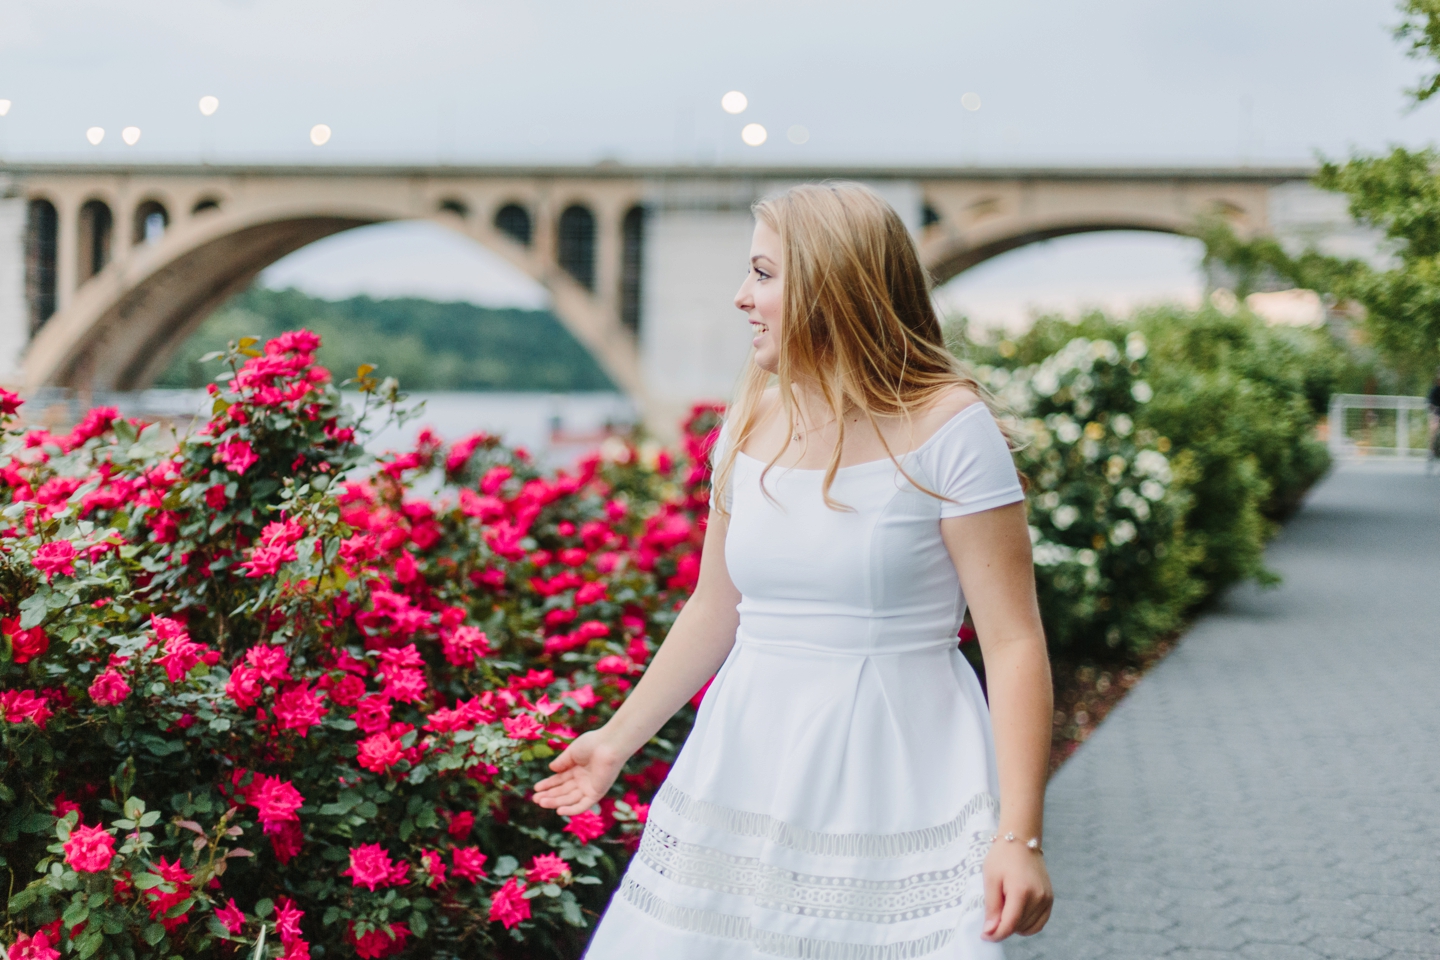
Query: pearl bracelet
{"points": [[1032, 844]]}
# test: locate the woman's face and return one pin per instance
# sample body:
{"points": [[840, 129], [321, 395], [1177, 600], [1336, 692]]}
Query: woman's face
{"points": [[761, 296]]}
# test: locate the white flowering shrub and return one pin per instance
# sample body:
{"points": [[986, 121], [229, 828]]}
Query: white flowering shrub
{"points": [[1105, 511], [1163, 450]]}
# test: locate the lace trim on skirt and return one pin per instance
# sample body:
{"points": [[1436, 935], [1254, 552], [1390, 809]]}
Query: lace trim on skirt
{"points": [[875, 846], [714, 924], [811, 895]]}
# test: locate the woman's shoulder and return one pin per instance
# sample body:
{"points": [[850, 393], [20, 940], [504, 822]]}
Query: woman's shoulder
{"points": [[945, 410]]}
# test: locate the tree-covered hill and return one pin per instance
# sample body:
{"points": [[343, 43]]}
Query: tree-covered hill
{"points": [[427, 345]]}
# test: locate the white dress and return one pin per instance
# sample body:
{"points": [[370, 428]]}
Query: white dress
{"points": [[836, 797]]}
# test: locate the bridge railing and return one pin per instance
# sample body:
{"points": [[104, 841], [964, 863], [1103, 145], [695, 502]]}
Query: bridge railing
{"points": [[1391, 427]]}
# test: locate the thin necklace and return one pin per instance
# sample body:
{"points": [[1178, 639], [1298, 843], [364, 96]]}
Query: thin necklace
{"points": [[795, 436]]}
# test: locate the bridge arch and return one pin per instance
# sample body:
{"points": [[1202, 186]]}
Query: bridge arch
{"points": [[42, 243], [149, 222], [95, 236], [952, 256], [120, 329]]}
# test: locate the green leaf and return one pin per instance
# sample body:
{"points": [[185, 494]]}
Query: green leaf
{"points": [[150, 818], [33, 608], [22, 899], [146, 881], [91, 942], [154, 933], [134, 806], [77, 913], [506, 866], [264, 907], [418, 924]]}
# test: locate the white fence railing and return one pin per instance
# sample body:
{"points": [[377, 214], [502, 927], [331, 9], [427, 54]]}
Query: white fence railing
{"points": [[1363, 425]]}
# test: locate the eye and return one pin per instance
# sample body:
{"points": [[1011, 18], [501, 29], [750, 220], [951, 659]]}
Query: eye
{"points": [[761, 273]]}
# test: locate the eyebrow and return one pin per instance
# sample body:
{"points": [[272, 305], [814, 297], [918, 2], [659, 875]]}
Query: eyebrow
{"points": [[760, 256]]}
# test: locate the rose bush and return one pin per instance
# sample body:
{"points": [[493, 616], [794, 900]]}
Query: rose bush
{"points": [[246, 689]]}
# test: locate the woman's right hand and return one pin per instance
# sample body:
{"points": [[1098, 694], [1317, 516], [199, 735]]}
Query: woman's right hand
{"points": [[584, 773]]}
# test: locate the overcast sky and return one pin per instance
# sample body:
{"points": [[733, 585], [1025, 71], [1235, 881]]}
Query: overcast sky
{"points": [[468, 81]]}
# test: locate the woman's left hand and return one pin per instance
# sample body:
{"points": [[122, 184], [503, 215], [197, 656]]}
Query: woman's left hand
{"points": [[1017, 891]]}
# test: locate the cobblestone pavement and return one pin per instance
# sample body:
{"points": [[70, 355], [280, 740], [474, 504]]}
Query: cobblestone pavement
{"points": [[1272, 789]]}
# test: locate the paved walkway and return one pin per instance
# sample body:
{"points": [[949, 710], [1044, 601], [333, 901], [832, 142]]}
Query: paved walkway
{"points": [[1272, 789]]}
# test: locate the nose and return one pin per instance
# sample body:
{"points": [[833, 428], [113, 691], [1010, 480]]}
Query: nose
{"points": [[743, 300]]}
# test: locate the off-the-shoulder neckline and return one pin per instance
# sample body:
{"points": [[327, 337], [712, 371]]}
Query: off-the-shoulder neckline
{"points": [[954, 418]]}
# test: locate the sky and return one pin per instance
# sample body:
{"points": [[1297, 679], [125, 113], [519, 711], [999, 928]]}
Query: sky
{"points": [[1127, 82]]}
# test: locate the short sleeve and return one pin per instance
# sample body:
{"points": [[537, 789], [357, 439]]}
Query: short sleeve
{"points": [[972, 465], [717, 457]]}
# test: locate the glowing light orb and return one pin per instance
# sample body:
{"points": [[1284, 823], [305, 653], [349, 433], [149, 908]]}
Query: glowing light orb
{"points": [[797, 134], [208, 105], [4, 107], [131, 136], [734, 102], [753, 134], [319, 134], [95, 135], [970, 101]]}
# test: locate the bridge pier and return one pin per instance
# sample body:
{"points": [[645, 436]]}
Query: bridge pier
{"points": [[14, 312]]}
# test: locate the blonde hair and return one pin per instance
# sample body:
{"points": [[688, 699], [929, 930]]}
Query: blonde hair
{"points": [[857, 322]]}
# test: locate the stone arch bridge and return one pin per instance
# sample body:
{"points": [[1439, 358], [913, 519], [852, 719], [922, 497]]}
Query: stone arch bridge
{"points": [[104, 269]]}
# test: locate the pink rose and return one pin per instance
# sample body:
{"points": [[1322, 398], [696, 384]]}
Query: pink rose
{"points": [[109, 689], [270, 662], [17, 706], [371, 867], [230, 917], [509, 905], [469, 863], [37, 947], [378, 753], [523, 727], [25, 645], [299, 708], [90, 849], [275, 800], [57, 556], [586, 826], [434, 867], [546, 867], [372, 714], [244, 687], [238, 455]]}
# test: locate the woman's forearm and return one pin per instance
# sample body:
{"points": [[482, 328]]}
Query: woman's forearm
{"points": [[695, 648], [1017, 676]]}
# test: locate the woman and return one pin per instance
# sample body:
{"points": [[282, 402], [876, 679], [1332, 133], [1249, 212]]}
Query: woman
{"points": [[840, 795]]}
